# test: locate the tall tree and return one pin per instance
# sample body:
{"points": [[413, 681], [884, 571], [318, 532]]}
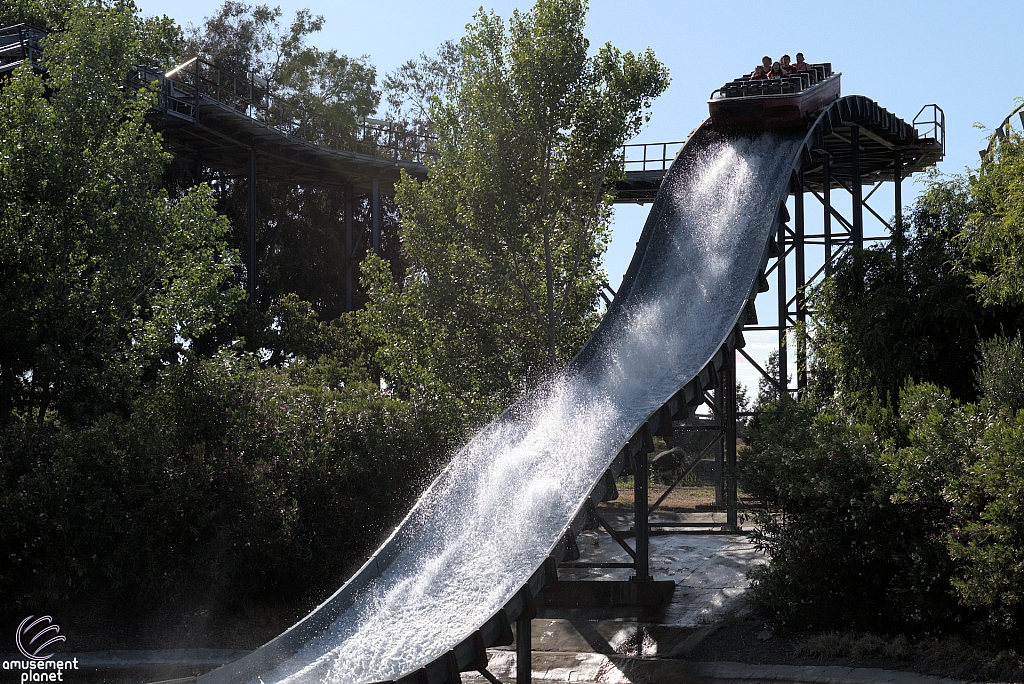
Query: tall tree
{"points": [[300, 237], [993, 237], [103, 278], [505, 236], [244, 39], [906, 311], [411, 90]]}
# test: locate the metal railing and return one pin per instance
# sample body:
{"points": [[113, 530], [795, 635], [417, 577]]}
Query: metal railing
{"points": [[19, 43], [642, 157], [787, 85], [930, 122], [1003, 130], [185, 88]]}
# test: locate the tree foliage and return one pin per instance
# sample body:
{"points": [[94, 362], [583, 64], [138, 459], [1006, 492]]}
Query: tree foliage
{"points": [[843, 550], [903, 312], [242, 39], [412, 89], [103, 276], [504, 238], [226, 482], [993, 237]]}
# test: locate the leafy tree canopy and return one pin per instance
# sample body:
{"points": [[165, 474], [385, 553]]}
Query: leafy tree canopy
{"points": [[904, 312], [244, 39], [102, 276], [505, 236], [411, 90], [993, 237]]}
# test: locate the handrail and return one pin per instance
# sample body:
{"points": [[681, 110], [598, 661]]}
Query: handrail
{"points": [[187, 86], [646, 162], [180, 67], [1003, 130], [20, 43], [935, 127]]}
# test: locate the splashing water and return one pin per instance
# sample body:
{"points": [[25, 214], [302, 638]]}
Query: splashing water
{"points": [[492, 517]]}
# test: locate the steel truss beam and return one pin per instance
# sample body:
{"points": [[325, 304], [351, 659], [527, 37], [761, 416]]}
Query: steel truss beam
{"points": [[851, 145]]}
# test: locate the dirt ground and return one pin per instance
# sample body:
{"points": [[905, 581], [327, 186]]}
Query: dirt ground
{"points": [[683, 499]]}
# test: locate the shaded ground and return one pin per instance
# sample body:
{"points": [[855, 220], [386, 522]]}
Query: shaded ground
{"points": [[746, 638], [739, 635], [682, 499]]}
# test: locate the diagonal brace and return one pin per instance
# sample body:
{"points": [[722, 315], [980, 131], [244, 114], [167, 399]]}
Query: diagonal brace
{"points": [[686, 472], [615, 535]]}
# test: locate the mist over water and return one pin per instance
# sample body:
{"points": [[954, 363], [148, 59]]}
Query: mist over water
{"points": [[491, 518]]}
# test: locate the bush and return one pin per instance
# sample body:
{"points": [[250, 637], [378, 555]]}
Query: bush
{"points": [[844, 551], [1001, 374], [916, 533], [226, 476]]}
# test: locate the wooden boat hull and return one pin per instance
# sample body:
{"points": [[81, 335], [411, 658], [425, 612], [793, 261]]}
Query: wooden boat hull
{"points": [[791, 110]]}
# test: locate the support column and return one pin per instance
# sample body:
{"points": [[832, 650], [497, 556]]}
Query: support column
{"points": [[350, 279], [783, 310], [720, 447], [641, 472], [375, 216], [197, 168], [897, 173], [801, 281], [252, 225], [826, 192], [524, 655], [857, 188], [730, 441]]}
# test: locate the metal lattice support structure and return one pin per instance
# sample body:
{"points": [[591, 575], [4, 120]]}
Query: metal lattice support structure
{"points": [[20, 43], [854, 145]]}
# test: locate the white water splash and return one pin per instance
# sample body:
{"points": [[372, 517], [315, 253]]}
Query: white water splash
{"points": [[490, 520]]}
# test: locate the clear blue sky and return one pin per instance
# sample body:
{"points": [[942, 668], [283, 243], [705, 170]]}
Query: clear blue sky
{"points": [[964, 56]]}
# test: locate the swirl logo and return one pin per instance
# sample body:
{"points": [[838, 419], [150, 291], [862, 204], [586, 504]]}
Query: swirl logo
{"points": [[25, 630]]}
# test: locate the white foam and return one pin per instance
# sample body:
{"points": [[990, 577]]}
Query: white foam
{"points": [[491, 518]]}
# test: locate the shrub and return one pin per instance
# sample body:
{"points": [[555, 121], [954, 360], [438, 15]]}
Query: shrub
{"points": [[987, 538], [226, 476], [844, 551]]}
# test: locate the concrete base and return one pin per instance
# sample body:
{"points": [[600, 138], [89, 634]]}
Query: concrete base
{"points": [[601, 669], [607, 593]]}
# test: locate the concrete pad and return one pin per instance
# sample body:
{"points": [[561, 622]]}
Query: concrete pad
{"points": [[710, 571], [601, 669]]}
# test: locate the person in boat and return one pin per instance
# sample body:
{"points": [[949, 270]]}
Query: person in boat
{"points": [[759, 74], [786, 68], [776, 71], [800, 64]]}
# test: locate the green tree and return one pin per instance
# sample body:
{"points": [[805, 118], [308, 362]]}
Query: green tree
{"points": [[886, 317], [103, 278], [993, 237], [1000, 376], [505, 236], [845, 550], [243, 39], [411, 90]]}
